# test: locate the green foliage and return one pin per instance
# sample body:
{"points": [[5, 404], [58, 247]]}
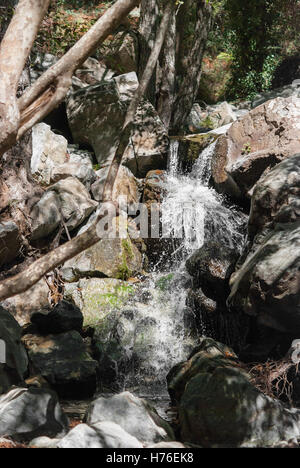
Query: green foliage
{"points": [[253, 32]]}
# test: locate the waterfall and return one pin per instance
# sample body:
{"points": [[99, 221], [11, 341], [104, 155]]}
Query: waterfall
{"points": [[194, 211], [158, 329]]}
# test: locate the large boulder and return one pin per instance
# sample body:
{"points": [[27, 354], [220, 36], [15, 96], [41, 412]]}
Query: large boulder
{"points": [[29, 413], [220, 407], [101, 130], [14, 361], [64, 362], [118, 258], [106, 434], [267, 282], [276, 198], [68, 201], [9, 242], [264, 137], [135, 415], [96, 297]]}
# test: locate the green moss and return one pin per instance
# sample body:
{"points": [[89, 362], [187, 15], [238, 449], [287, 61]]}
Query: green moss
{"points": [[207, 123], [164, 282]]}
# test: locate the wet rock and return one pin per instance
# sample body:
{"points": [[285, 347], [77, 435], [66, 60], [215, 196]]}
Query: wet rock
{"points": [[14, 361], [103, 435], [263, 138], [219, 406], [64, 362], [101, 130], [67, 199], [64, 317], [267, 284], [133, 414], [9, 242], [29, 413], [211, 268]]}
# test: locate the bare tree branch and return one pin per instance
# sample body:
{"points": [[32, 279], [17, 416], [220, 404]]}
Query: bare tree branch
{"points": [[14, 51]]}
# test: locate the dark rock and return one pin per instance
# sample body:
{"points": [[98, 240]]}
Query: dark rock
{"points": [[29, 413], [219, 406], [287, 71], [211, 267], [64, 317], [64, 362], [266, 284], [9, 242], [14, 361]]}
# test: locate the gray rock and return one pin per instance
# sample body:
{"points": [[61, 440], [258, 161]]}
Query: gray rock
{"points": [[29, 413], [79, 165], [122, 55], [48, 151], [133, 414], [126, 185], [67, 199], [103, 435], [46, 216], [167, 445], [15, 363], [292, 90], [211, 267], [93, 72], [117, 258], [9, 242], [44, 443]]}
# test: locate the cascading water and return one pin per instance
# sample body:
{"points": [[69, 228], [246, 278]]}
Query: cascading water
{"points": [[155, 325]]}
